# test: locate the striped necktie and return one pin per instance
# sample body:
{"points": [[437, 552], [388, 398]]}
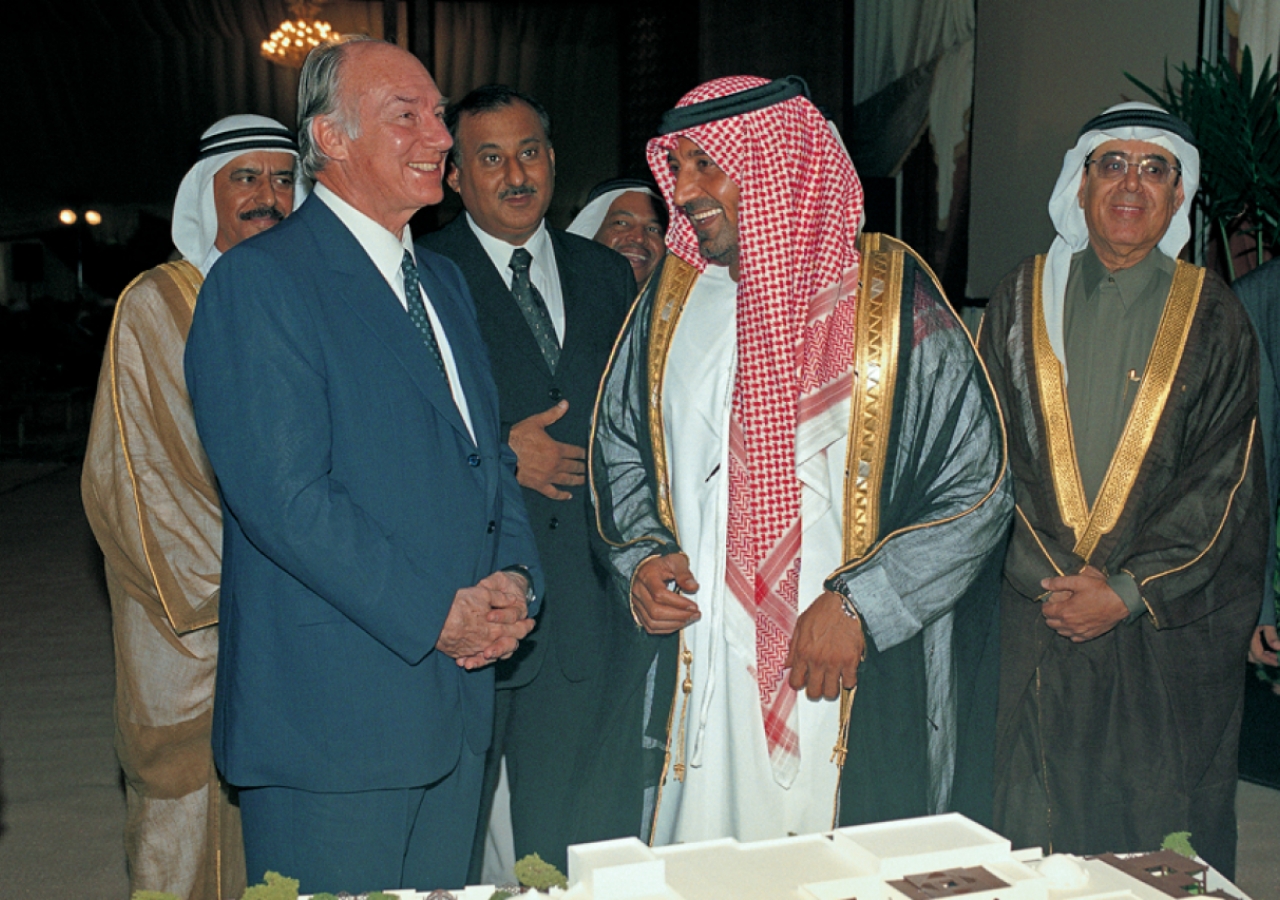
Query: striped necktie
{"points": [[533, 306]]}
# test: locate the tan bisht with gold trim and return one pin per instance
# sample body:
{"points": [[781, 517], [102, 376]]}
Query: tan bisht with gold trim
{"points": [[922, 488], [1113, 742], [152, 502]]}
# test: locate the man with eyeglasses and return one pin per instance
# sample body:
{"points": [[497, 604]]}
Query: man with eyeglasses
{"points": [[1129, 384]]}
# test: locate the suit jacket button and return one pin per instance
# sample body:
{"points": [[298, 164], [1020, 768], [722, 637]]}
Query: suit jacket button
{"points": [[493, 526], [473, 460], [554, 523], [555, 394]]}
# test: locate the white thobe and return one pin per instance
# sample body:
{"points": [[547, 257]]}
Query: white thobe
{"points": [[729, 788]]}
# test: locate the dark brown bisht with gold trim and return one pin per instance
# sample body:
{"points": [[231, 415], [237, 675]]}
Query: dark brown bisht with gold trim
{"points": [[1111, 743]]}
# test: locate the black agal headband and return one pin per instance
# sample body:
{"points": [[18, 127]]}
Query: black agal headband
{"points": [[1140, 118], [776, 91], [241, 140]]}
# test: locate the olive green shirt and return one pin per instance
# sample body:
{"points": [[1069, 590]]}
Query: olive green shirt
{"points": [[1110, 323]]}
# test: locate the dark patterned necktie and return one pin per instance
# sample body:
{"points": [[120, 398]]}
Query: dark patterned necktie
{"points": [[418, 312], [533, 307]]}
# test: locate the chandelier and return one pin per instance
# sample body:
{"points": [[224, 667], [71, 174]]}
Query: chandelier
{"points": [[295, 38]]}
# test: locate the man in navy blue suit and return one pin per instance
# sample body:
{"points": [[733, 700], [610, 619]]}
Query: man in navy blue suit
{"points": [[377, 556]]}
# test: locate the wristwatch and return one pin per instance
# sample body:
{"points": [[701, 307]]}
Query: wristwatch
{"points": [[838, 586], [523, 571]]}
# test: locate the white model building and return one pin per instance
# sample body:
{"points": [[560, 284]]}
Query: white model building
{"points": [[911, 859]]}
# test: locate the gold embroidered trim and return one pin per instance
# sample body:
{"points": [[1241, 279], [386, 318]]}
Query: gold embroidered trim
{"points": [[875, 366], [1035, 537], [673, 291], [1231, 499], [187, 279], [876, 345], [1148, 407], [1088, 525], [1059, 440], [677, 282], [874, 241], [595, 422], [878, 339]]}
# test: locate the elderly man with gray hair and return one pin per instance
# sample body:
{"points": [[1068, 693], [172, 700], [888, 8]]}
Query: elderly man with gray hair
{"points": [[378, 555], [150, 497], [1129, 380]]}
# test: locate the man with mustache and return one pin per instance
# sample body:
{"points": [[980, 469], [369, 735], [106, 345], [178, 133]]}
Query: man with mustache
{"points": [[1129, 380], [798, 467], [627, 215], [378, 555], [151, 499], [549, 305]]}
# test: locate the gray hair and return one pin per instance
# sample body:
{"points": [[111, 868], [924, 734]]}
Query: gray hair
{"points": [[320, 94]]}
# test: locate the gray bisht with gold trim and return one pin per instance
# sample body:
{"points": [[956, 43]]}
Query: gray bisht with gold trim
{"points": [[930, 531]]}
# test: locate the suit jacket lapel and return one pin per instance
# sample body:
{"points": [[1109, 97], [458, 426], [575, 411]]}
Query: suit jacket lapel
{"points": [[361, 286], [492, 294], [467, 355], [576, 293]]}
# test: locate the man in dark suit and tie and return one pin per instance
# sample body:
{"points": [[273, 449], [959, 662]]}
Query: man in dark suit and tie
{"points": [[550, 305], [376, 552]]}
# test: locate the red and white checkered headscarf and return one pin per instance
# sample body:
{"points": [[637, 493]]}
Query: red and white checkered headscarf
{"points": [[799, 213]]}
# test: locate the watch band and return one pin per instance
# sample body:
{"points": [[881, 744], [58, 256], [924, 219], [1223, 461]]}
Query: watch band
{"points": [[523, 571], [837, 586]]}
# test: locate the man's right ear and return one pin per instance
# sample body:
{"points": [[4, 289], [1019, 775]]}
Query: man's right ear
{"points": [[451, 174], [329, 137]]}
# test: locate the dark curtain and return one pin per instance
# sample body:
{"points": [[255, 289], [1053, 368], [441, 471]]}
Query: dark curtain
{"points": [[566, 55], [106, 99]]}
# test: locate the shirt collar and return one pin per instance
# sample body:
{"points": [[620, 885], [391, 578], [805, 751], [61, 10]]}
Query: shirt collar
{"points": [[384, 248], [1132, 283], [499, 251]]}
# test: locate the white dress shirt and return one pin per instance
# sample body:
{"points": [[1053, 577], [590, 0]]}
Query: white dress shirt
{"points": [[542, 271], [386, 250]]}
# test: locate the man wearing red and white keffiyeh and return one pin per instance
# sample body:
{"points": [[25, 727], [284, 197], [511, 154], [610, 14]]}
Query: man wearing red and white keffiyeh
{"points": [[722, 441]]}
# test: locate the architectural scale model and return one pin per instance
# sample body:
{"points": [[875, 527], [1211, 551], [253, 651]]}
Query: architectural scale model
{"points": [[912, 859]]}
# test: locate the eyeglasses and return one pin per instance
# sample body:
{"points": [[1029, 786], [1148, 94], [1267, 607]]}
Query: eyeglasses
{"points": [[1151, 169]]}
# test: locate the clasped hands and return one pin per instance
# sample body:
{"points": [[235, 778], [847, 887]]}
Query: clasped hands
{"points": [[1082, 607], [486, 621], [826, 645]]}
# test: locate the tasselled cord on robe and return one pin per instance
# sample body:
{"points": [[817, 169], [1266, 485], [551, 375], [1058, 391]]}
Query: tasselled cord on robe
{"points": [[686, 689], [683, 757], [840, 752], [779, 326]]}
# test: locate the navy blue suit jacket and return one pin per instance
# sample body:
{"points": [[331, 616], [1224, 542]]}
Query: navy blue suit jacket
{"points": [[580, 625], [355, 505]]}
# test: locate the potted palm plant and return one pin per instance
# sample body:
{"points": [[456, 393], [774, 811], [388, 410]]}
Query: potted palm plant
{"points": [[1236, 119]]}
